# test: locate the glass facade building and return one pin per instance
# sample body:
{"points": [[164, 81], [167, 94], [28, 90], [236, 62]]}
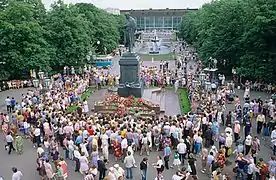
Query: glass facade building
{"points": [[162, 19]]}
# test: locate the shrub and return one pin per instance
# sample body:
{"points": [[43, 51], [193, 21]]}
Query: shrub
{"points": [[84, 97], [184, 101]]}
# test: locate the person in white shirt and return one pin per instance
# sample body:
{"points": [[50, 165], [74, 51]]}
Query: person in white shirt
{"points": [[159, 165], [37, 136], [251, 169], [39, 150], [273, 140], [124, 147], [9, 140], [182, 150], [71, 149], [248, 143], [177, 176], [8, 104], [47, 147], [17, 175], [145, 146], [129, 163], [228, 142], [229, 131], [77, 155]]}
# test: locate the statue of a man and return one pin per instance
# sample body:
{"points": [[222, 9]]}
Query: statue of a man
{"points": [[129, 35]]}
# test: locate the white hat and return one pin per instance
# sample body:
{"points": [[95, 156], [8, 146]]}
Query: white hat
{"points": [[116, 165], [111, 169]]}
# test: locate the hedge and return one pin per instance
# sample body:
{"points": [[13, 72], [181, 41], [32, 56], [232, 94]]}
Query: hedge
{"points": [[84, 97], [184, 101]]}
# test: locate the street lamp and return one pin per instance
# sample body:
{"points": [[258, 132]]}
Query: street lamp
{"points": [[208, 86], [40, 75], [35, 83], [46, 82], [194, 83], [202, 76], [202, 79]]}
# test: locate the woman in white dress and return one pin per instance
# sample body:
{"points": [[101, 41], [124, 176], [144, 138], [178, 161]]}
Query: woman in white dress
{"points": [[247, 92], [48, 169], [85, 107], [83, 163], [84, 149], [149, 134]]}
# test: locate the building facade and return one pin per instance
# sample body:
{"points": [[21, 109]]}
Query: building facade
{"points": [[115, 11], [160, 19]]}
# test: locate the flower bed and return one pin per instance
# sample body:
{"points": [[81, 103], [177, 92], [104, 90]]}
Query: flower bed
{"points": [[130, 105]]}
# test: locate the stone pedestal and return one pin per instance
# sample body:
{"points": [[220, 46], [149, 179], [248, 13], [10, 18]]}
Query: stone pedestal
{"points": [[130, 83]]}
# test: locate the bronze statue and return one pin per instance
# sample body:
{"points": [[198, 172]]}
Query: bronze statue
{"points": [[129, 35]]}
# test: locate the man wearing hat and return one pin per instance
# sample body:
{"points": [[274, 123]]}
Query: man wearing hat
{"points": [[111, 174]]}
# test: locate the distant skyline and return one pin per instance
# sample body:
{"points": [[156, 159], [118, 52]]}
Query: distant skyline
{"points": [[137, 4]]}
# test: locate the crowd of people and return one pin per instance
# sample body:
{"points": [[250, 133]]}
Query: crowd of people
{"points": [[210, 134]]}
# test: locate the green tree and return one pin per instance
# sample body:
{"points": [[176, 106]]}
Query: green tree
{"points": [[22, 43], [68, 34], [238, 33], [31, 38], [107, 28]]}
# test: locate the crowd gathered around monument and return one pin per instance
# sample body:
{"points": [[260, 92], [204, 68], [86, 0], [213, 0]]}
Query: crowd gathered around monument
{"points": [[212, 139]]}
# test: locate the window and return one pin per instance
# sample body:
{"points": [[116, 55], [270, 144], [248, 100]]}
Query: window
{"points": [[147, 21], [168, 22], [158, 22], [140, 23], [150, 22], [176, 21]]}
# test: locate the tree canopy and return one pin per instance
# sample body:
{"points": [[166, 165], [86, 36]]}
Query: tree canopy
{"points": [[33, 38], [240, 34]]}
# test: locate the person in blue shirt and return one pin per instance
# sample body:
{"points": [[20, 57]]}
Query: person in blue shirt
{"points": [[241, 164], [18, 106], [167, 153], [78, 139], [12, 103]]}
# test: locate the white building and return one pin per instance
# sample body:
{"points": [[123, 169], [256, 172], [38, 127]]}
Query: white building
{"points": [[115, 11]]}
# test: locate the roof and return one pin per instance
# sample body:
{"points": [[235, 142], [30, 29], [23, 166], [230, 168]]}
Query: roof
{"points": [[155, 12], [167, 9]]}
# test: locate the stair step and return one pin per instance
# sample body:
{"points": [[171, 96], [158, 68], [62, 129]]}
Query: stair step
{"points": [[156, 98], [147, 94]]}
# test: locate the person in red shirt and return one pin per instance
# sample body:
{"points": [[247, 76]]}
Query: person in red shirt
{"points": [[90, 131], [26, 114]]}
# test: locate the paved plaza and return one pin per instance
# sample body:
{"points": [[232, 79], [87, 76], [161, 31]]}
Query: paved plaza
{"points": [[27, 162]]}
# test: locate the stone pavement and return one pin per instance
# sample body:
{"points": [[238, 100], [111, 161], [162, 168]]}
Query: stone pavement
{"points": [[27, 162]]}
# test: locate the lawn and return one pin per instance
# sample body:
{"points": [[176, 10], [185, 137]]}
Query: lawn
{"points": [[84, 97], [184, 101], [157, 57]]}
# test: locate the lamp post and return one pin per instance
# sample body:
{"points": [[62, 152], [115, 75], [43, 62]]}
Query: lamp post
{"points": [[194, 83], [208, 86], [98, 44], [202, 79], [40, 75], [46, 83], [35, 83]]}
